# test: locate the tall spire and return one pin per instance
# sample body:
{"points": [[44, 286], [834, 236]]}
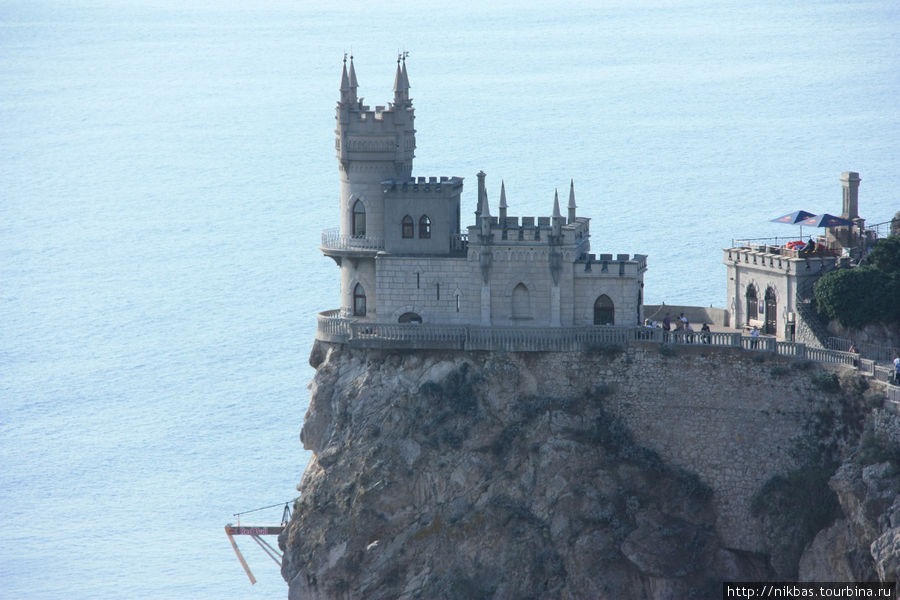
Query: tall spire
{"points": [[503, 205], [401, 81], [572, 206], [556, 213], [345, 82], [353, 84]]}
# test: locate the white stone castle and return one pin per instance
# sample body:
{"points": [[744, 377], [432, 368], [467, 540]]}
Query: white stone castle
{"points": [[404, 259]]}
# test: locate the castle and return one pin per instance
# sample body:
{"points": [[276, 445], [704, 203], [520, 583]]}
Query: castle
{"points": [[404, 259]]}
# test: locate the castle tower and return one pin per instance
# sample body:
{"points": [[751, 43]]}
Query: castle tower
{"points": [[372, 146]]}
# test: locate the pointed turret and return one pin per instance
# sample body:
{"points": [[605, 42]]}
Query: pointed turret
{"points": [[346, 93], [401, 82], [572, 201], [502, 202], [353, 84], [557, 216]]}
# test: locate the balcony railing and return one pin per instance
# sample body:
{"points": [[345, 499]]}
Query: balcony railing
{"points": [[333, 240], [334, 328]]}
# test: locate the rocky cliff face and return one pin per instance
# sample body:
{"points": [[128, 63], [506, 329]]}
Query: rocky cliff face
{"points": [[495, 475]]}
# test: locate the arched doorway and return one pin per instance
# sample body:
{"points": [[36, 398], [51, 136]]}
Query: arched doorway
{"points": [[752, 303], [604, 311], [771, 312], [409, 317]]}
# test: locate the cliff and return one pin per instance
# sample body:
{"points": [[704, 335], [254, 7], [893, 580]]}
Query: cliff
{"points": [[616, 473]]}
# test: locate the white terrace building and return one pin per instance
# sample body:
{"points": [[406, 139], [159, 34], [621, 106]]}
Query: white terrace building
{"points": [[770, 285], [403, 257]]}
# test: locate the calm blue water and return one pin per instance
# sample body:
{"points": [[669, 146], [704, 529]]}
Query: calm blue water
{"points": [[166, 168]]}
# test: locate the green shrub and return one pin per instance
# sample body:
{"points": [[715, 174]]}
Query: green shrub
{"points": [[876, 448], [827, 382], [606, 349], [778, 371], [667, 350], [863, 295], [802, 365]]}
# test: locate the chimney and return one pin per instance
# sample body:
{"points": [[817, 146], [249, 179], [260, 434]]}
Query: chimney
{"points": [[482, 194], [850, 182]]}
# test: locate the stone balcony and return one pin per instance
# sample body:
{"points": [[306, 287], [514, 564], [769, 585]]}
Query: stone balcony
{"points": [[336, 245]]}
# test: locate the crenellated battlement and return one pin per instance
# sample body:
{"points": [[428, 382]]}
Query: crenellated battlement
{"points": [[415, 185], [528, 231]]}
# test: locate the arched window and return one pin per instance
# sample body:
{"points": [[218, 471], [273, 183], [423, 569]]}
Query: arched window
{"points": [[359, 219], [521, 302], [407, 226], [752, 303], [424, 227], [359, 301], [604, 311]]}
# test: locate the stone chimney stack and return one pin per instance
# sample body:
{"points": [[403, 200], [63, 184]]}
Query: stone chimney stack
{"points": [[482, 193], [850, 182]]}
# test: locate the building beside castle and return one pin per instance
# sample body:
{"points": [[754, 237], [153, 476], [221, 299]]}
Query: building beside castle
{"points": [[404, 258], [770, 285]]}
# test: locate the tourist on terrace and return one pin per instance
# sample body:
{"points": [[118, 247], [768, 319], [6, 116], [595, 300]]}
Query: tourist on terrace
{"points": [[809, 248]]}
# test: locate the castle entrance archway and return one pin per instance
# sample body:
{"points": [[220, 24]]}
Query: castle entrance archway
{"points": [[771, 312], [409, 317], [604, 311]]}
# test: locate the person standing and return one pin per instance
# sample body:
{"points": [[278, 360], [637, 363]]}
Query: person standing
{"points": [[754, 335], [897, 369]]}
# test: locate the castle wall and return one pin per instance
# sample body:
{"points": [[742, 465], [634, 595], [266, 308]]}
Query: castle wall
{"points": [[428, 286], [362, 271], [438, 200]]}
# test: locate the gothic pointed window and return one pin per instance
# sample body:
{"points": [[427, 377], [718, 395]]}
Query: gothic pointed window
{"points": [[359, 219], [407, 226], [604, 311], [359, 301], [521, 302], [424, 227]]}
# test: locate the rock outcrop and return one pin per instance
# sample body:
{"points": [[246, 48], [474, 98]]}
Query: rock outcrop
{"points": [[495, 475], [864, 544]]}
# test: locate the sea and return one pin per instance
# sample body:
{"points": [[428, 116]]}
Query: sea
{"points": [[167, 167]]}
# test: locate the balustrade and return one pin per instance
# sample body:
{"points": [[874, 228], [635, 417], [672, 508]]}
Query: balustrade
{"points": [[333, 240], [334, 328]]}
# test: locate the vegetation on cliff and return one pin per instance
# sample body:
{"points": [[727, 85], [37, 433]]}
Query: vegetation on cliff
{"points": [[867, 294]]}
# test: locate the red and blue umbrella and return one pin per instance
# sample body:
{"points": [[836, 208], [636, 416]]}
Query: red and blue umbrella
{"points": [[794, 218], [826, 220]]}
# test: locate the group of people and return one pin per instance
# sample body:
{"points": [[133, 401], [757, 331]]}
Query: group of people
{"points": [[683, 325]]}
